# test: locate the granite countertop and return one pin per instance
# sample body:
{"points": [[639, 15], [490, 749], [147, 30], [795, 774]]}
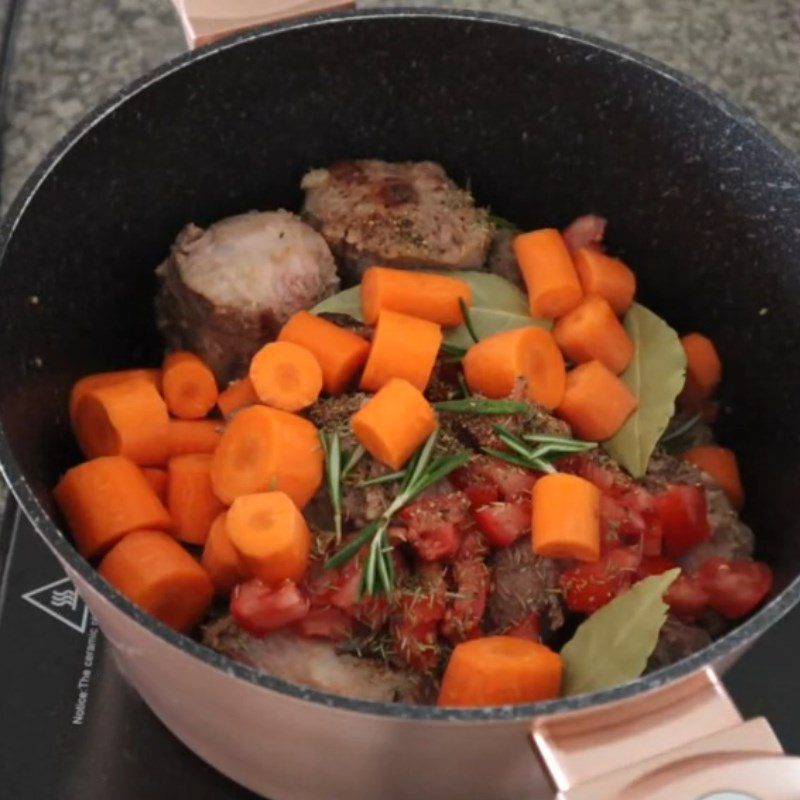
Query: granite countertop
{"points": [[70, 54]]}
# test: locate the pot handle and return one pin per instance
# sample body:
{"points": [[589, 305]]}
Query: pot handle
{"points": [[205, 21], [684, 740]]}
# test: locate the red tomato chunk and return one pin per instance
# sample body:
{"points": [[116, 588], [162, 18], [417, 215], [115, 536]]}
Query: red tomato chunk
{"points": [[259, 608], [684, 518]]}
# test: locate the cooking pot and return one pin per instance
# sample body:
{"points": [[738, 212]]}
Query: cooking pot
{"points": [[544, 124]]}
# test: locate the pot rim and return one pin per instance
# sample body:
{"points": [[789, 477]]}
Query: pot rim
{"points": [[727, 645]]}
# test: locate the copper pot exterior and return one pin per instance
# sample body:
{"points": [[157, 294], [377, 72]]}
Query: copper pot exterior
{"points": [[286, 748]]}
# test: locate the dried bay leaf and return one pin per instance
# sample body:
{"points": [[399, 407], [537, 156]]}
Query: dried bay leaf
{"points": [[612, 646], [655, 375]]}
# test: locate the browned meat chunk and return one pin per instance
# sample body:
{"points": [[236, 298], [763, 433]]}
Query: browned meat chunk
{"points": [[227, 290], [730, 537], [402, 215], [314, 663], [677, 640], [502, 260], [524, 583]]}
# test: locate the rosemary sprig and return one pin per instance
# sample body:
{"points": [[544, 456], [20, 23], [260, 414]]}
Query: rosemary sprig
{"points": [[389, 477], [467, 319], [501, 223], [539, 458], [682, 429], [422, 471], [462, 384], [336, 472], [481, 405]]}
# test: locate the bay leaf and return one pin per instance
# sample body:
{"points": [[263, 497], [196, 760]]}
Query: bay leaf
{"points": [[655, 375], [497, 305], [612, 646]]}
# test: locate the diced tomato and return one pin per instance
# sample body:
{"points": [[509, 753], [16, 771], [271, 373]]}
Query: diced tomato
{"points": [[433, 524], [462, 619], [589, 586], [687, 597], [529, 627], [503, 523], [416, 617], [259, 608], [735, 588], [585, 231], [654, 565], [510, 481], [628, 512], [435, 543], [339, 588], [326, 623], [473, 545], [684, 518], [481, 494]]}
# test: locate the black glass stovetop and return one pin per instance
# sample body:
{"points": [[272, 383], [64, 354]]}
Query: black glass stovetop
{"points": [[71, 729]]}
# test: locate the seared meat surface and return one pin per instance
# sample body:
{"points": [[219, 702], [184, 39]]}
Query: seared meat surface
{"points": [[502, 260], [524, 583], [730, 537], [227, 290], [677, 640], [315, 663], [402, 215]]}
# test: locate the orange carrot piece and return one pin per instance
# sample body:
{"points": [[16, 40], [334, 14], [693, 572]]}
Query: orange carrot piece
{"points": [[157, 478], [500, 670], [220, 559], [128, 418], [286, 376], [394, 423], [186, 436], [340, 353], [565, 520], [106, 498], [721, 464], [703, 371], [493, 365], [153, 571], [592, 331], [264, 449], [418, 294], [238, 394], [607, 277], [596, 402], [89, 382], [402, 347], [191, 501], [189, 385], [270, 535], [548, 271]]}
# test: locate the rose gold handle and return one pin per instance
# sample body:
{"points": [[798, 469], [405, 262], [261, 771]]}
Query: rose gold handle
{"points": [[686, 740], [205, 21]]}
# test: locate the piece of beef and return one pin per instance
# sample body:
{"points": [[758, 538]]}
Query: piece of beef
{"points": [[398, 214], [677, 640], [501, 259], [332, 415], [227, 290], [314, 663], [524, 583], [730, 537]]}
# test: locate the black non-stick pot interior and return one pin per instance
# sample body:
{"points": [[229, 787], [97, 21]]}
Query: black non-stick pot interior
{"points": [[543, 127]]}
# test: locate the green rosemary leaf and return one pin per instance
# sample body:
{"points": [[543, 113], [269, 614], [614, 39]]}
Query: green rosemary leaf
{"points": [[467, 319], [462, 384], [352, 460], [544, 438], [390, 477], [513, 442], [501, 223], [511, 458], [481, 405], [439, 469], [352, 547]]}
